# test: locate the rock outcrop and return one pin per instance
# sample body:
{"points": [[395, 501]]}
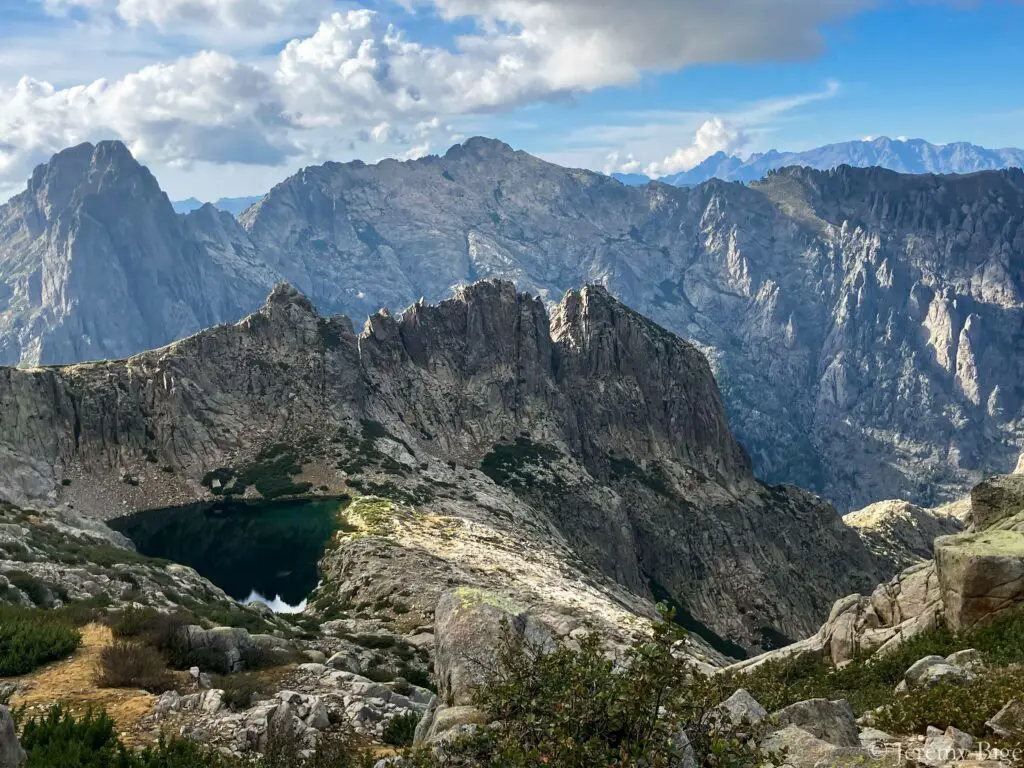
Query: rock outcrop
{"points": [[861, 323], [594, 437], [902, 533], [974, 577]]}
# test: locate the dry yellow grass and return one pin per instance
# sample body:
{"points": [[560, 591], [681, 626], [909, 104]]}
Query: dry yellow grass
{"points": [[72, 683]]}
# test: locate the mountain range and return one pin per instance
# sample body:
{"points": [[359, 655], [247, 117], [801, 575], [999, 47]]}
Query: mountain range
{"points": [[862, 324], [902, 155], [233, 205]]}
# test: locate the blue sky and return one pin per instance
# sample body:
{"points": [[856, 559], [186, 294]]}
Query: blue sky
{"points": [[227, 97]]}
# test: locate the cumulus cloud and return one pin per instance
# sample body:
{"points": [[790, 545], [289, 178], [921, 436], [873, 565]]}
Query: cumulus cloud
{"points": [[588, 44], [733, 133], [715, 135], [354, 78], [206, 107], [170, 14]]}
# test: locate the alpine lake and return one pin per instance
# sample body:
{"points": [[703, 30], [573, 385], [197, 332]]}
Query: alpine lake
{"points": [[256, 551]]}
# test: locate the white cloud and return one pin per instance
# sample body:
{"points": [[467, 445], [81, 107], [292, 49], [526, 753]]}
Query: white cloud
{"points": [[206, 107], [587, 44], [353, 78], [730, 133], [715, 135], [175, 14]]}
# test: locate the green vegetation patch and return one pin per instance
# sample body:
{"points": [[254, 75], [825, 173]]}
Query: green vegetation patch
{"points": [[271, 472], [512, 465], [30, 637], [869, 683]]}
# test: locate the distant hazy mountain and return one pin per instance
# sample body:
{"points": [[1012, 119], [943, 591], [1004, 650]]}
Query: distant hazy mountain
{"points": [[632, 179], [232, 205], [913, 156]]}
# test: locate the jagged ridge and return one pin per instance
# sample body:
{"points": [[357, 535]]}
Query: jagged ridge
{"points": [[611, 432]]}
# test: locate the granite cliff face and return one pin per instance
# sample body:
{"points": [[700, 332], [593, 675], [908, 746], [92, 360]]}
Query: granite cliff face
{"points": [[94, 263], [861, 324], [509, 450]]}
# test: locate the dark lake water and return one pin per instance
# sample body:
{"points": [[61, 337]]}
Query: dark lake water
{"points": [[266, 551]]}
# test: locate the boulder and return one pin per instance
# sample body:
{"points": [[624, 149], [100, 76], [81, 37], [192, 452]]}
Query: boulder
{"points": [[981, 574], [741, 708], [469, 626], [446, 719], [968, 659], [804, 750], [997, 499], [11, 753], [945, 748], [931, 670], [874, 740], [830, 721], [1009, 721]]}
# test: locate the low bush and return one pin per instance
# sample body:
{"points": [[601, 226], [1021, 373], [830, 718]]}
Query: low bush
{"points": [[127, 664], [967, 707], [240, 689], [60, 740], [577, 709], [868, 683], [30, 637], [400, 730]]}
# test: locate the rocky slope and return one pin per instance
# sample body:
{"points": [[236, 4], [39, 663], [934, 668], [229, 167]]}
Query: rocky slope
{"points": [[504, 446], [903, 156], [860, 323]]}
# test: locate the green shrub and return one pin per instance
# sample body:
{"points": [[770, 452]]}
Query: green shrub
{"points": [[30, 637], [417, 676], [577, 709], [126, 664], [400, 730], [255, 657], [967, 707], [379, 674], [239, 689], [82, 612], [60, 740], [868, 683]]}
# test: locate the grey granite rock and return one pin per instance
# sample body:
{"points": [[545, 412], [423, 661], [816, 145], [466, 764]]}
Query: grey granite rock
{"points": [[861, 323], [589, 434]]}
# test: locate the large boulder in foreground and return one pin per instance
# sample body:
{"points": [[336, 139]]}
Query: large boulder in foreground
{"points": [[11, 753], [470, 626], [997, 499], [831, 721], [981, 574]]}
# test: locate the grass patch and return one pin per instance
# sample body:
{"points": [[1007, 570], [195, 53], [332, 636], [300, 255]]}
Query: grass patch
{"points": [[869, 683]]}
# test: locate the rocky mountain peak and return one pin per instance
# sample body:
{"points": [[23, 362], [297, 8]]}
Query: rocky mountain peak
{"points": [[287, 295], [480, 147], [87, 169]]}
